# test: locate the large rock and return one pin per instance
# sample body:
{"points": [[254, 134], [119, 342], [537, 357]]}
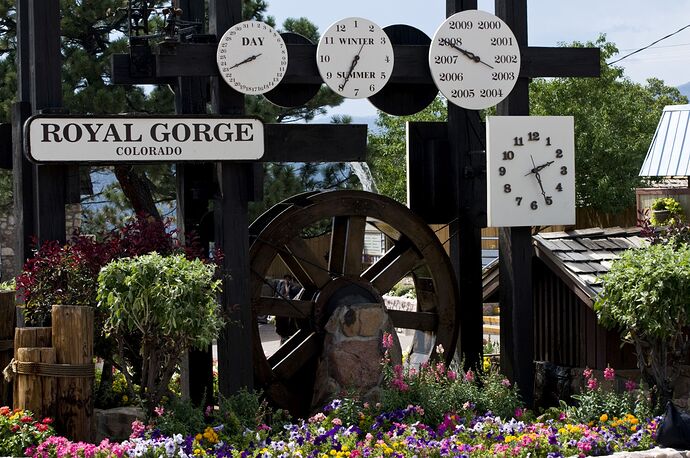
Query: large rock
{"points": [[116, 424], [352, 353]]}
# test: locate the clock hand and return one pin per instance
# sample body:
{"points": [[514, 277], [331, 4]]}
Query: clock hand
{"points": [[248, 59], [355, 60], [535, 170], [469, 54]]}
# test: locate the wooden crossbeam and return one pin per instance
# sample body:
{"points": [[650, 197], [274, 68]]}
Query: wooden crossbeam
{"points": [[411, 63]]}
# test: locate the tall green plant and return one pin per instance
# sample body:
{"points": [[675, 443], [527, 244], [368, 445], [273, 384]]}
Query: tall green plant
{"points": [[646, 295], [170, 303]]}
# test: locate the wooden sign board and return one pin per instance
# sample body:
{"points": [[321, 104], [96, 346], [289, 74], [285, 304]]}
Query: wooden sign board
{"points": [[111, 139]]}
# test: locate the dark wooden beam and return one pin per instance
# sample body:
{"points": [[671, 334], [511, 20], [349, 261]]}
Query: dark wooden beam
{"points": [[315, 142], [412, 67], [235, 186]]}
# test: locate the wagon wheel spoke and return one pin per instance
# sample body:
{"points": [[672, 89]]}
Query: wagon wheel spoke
{"points": [[295, 354], [283, 307], [347, 245], [392, 267], [422, 321], [307, 268]]}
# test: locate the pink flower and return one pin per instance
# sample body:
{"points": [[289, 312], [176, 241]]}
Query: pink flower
{"points": [[505, 382], [587, 373], [387, 341], [609, 373], [452, 375], [519, 412], [562, 416], [469, 376], [337, 422], [138, 429], [630, 385], [592, 383], [160, 410], [317, 418]]}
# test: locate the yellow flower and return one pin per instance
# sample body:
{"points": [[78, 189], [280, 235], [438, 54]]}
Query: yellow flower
{"points": [[486, 364], [345, 448], [332, 452], [603, 418], [198, 437], [509, 439]]}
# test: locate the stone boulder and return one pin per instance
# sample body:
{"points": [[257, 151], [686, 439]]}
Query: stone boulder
{"points": [[352, 353]]}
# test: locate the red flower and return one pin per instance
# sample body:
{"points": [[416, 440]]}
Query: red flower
{"points": [[47, 421], [26, 419], [4, 410], [14, 428]]}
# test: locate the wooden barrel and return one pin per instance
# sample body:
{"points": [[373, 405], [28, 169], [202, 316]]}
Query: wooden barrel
{"points": [[73, 344], [7, 324], [30, 337], [35, 391]]}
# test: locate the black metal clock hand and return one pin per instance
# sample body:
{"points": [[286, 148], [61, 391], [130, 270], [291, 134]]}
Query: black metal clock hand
{"points": [[535, 170], [469, 54], [248, 59], [355, 60]]}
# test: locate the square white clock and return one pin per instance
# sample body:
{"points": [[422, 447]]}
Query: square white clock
{"points": [[530, 170]]}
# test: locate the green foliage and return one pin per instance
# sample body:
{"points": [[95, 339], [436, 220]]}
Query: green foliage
{"points": [[170, 302], [646, 295], [243, 410], [9, 285], [386, 155], [672, 206], [602, 398], [180, 417], [404, 289], [615, 120], [117, 394]]}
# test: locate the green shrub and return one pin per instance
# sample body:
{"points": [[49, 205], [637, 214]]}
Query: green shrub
{"points": [[180, 417], [170, 303], [672, 205], [646, 296]]}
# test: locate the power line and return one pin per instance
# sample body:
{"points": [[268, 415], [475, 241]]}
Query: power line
{"points": [[649, 45]]}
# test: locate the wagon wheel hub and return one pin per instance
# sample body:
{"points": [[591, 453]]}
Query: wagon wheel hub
{"points": [[339, 292]]}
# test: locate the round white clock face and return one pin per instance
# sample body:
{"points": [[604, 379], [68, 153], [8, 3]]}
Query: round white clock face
{"points": [[474, 59], [252, 57], [530, 170], [355, 57]]}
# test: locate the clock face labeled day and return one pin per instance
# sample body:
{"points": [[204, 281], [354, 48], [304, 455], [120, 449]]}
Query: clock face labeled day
{"points": [[355, 57], [530, 170], [252, 57], [474, 59]]}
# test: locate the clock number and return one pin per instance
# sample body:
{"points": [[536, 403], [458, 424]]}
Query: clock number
{"points": [[383, 75], [506, 59], [446, 59], [559, 187], [518, 141], [501, 41], [461, 25], [489, 25], [462, 93], [502, 76], [501, 171], [559, 153], [549, 200], [340, 28], [564, 170], [454, 41], [372, 88], [372, 29], [518, 200], [534, 205], [356, 25], [388, 59], [533, 136], [356, 91], [508, 155], [491, 93], [548, 141], [507, 188], [450, 76], [383, 40], [325, 58], [328, 40], [329, 75]]}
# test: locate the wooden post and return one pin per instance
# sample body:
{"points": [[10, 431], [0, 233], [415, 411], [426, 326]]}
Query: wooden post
{"points": [[8, 319], [36, 392], [29, 337], [73, 343], [235, 367]]}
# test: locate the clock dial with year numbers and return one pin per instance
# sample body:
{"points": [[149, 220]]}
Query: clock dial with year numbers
{"points": [[530, 170], [355, 57], [252, 57], [474, 59]]}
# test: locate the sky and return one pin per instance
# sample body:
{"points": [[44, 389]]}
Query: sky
{"points": [[630, 24]]}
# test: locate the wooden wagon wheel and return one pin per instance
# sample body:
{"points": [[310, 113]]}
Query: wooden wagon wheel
{"points": [[331, 279]]}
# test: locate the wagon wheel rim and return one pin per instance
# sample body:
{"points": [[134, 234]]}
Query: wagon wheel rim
{"points": [[415, 247]]}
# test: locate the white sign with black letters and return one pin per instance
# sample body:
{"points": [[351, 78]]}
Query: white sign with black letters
{"points": [[142, 139]]}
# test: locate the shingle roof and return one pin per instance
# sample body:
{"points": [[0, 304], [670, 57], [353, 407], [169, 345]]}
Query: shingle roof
{"points": [[583, 255], [669, 152]]}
